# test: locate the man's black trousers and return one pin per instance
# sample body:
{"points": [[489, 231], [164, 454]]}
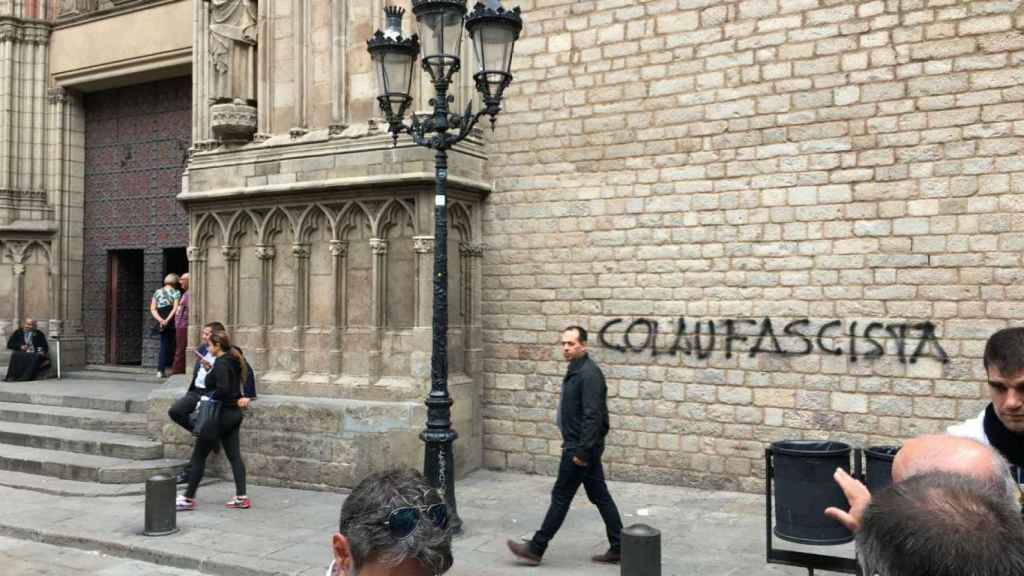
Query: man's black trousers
{"points": [[184, 407], [570, 476]]}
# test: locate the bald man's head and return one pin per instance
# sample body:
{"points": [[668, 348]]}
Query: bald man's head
{"points": [[947, 454]]}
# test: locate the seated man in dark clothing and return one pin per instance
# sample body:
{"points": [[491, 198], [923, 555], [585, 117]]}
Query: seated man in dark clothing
{"points": [[29, 353]]}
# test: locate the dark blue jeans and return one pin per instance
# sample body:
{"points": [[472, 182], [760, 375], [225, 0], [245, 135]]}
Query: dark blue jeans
{"points": [[570, 476], [166, 360]]}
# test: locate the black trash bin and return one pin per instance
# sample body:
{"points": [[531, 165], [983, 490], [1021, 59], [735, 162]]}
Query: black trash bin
{"points": [[878, 463], [804, 487]]}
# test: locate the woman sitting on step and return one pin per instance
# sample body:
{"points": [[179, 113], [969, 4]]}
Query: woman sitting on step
{"points": [[225, 384]]}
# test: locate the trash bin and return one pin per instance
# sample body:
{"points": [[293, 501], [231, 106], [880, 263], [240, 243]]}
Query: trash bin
{"points": [[878, 463], [804, 486]]}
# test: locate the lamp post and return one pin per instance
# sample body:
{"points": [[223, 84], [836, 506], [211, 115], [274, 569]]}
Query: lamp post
{"points": [[494, 32]]}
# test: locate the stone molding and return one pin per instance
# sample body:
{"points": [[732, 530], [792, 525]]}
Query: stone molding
{"points": [[22, 31], [339, 248], [423, 244], [301, 250], [332, 185], [265, 252], [472, 249], [230, 253], [378, 246], [58, 95], [195, 254]]}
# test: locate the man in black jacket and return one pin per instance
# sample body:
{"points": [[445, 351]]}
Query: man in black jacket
{"points": [[29, 353], [583, 419]]}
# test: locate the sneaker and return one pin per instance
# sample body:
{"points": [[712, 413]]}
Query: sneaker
{"points": [[159, 373], [183, 504], [242, 502]]}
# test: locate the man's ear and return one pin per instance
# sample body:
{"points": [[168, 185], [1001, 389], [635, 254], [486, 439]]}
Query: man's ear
{"points": [[342, 553]]}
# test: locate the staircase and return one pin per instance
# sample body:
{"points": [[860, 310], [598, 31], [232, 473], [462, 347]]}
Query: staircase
{"points": [[88, 427]]}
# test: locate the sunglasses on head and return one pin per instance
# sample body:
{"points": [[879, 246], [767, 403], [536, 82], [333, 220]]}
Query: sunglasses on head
{"points": [[403, 521]]}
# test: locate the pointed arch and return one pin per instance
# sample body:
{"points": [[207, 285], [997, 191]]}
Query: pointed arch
{"points": [[311, 220], [241, 222], [44, 247], [208, 227], [276, 222], [395, 213], [353, 220], [460, 219]]}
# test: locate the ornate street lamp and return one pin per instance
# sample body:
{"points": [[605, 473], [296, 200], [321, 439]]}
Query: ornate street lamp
{"points": [[494, 32]]}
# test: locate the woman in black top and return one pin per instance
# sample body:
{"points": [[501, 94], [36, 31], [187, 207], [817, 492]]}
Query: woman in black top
{"points": [[224, 383]]}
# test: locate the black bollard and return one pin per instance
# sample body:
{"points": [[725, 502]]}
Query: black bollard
{"points": [[641, 551], [161, 516]]}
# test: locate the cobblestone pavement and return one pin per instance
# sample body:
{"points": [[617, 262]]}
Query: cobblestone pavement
{"points": [[26, 558]]}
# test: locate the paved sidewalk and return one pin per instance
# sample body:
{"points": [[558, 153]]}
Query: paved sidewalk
{"points": [[288, 531], [23, 558]]}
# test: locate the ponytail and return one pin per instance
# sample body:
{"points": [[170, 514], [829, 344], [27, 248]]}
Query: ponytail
{"points": [[221, 338]]}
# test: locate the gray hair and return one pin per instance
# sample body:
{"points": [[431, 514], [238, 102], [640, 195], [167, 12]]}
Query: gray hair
{"points": [[364, 518], [942, 524], [1011, 491]]}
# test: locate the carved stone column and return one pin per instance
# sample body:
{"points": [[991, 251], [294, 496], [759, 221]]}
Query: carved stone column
{"points": [[472, 258], [339, 312], [265, 254], [199, 289], [423, 308], [339, 60], [231, 256], [301, 253], [378, 304], [16, 252], [19, 293]]}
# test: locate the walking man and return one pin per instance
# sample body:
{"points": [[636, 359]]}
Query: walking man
{"points": [[583, 419]]}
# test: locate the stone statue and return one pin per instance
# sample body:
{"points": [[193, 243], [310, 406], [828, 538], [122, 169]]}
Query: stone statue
{"points": [[233, 50], [233, 37]]}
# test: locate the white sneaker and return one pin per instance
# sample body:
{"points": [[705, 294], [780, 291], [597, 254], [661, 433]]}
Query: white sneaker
{"points": [[159, 374]]}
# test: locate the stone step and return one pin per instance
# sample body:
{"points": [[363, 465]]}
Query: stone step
{"points": [[83, 467], [79, 418], [62, 487], [80, 441], [72, 401], [109, 373]]}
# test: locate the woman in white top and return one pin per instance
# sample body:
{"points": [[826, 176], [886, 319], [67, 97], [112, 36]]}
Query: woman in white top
{"points": [[162, 307]]}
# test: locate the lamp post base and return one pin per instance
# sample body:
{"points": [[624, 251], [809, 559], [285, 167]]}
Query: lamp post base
{"points": [[439, 469]]}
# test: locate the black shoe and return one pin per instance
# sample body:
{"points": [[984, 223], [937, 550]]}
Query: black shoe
{"points": [[612, 556], [182, 477], [525, 552]]}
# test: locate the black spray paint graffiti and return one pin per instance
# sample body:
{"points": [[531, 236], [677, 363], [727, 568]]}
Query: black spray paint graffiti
{"points": [[912, 340]]}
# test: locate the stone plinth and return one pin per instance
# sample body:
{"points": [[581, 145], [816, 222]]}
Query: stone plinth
{"points": [[234, 121], [325, 443]]}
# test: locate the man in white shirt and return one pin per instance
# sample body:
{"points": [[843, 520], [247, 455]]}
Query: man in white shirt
{"points": [[1001, 424]]}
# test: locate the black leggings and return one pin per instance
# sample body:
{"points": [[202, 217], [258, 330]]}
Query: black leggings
{"points": [[230, 426]]}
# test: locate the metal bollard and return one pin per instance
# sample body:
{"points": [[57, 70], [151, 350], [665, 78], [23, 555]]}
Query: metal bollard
{"points": [[641, 551], [161, 516]]}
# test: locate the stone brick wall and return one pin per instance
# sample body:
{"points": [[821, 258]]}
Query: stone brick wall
{"points": [[834, 167]]}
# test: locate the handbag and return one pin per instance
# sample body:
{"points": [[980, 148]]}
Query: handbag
{"points": [[207, 419]]}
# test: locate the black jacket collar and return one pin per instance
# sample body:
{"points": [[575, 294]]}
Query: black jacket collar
{"points": [[578, 363]]}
